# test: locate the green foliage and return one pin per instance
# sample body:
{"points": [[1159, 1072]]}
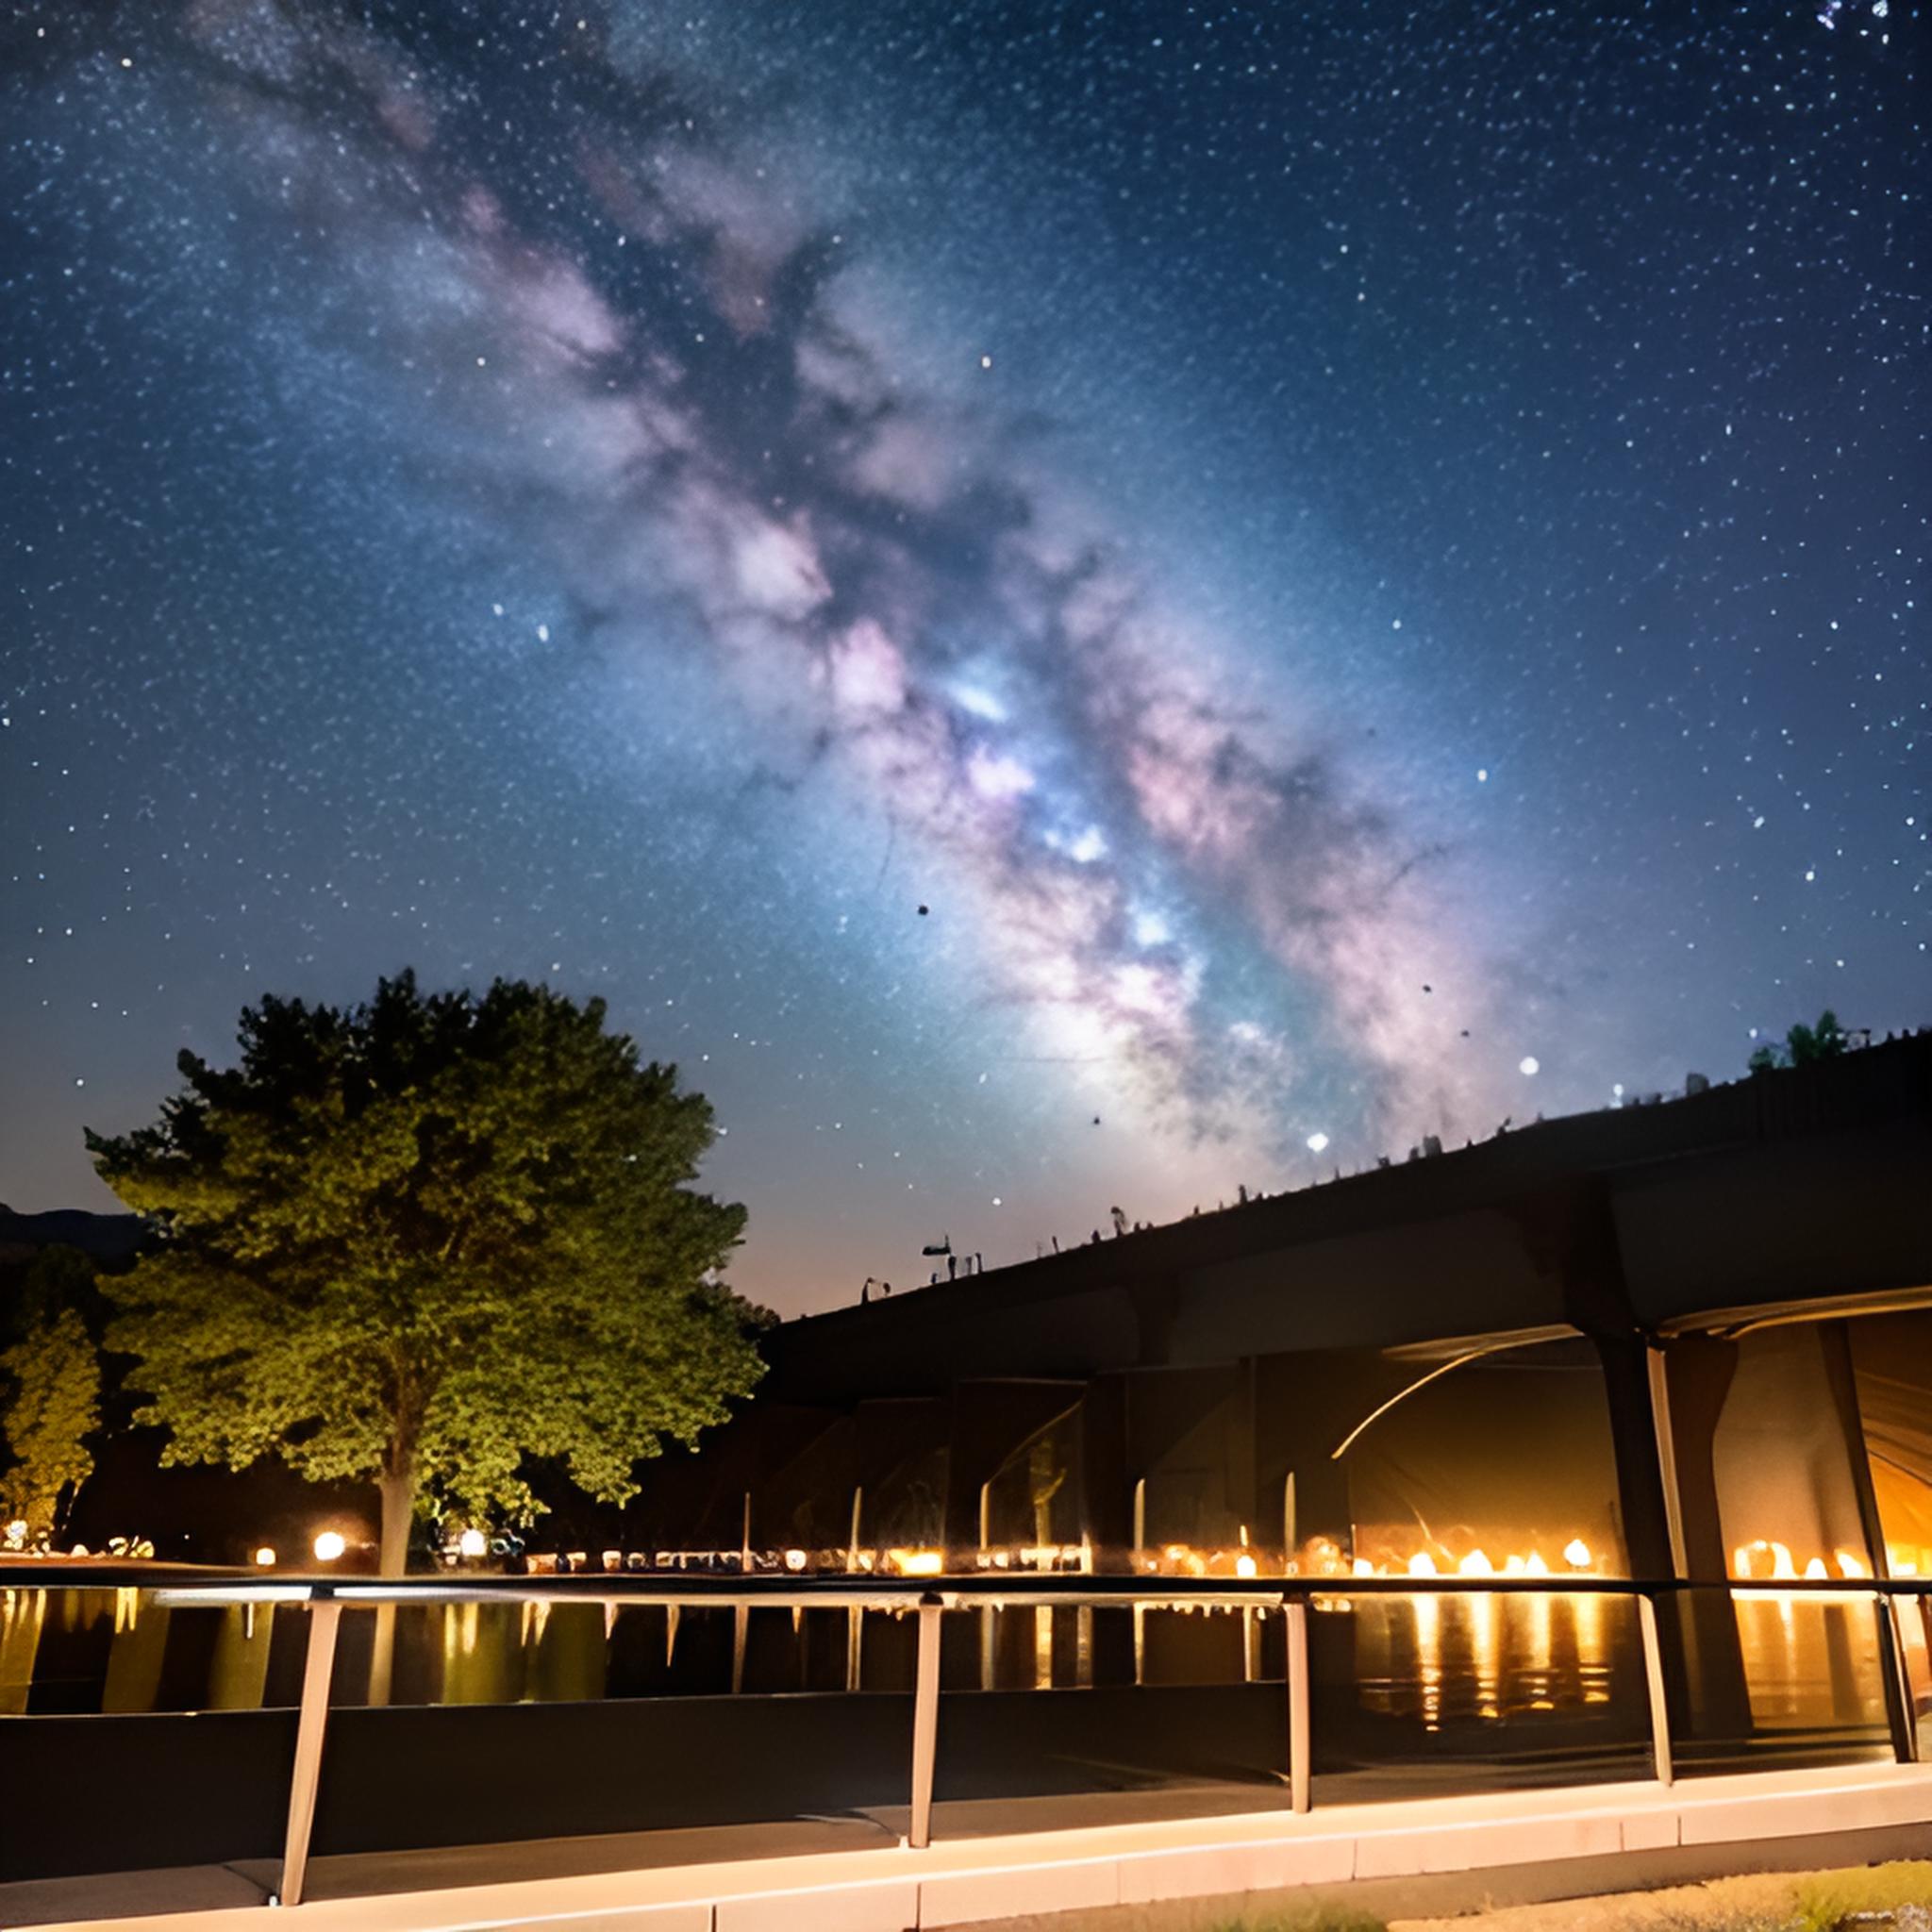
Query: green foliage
{"points": [[1804, 1045], [1835, 1901], [422, 1240], [50, 1392]]}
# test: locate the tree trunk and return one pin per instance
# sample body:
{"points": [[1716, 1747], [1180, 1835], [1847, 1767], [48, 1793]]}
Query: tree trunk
{"points": [[398, 1490], [397, 1487]]}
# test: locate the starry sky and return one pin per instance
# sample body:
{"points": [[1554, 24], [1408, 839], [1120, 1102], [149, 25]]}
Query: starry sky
{"points": [[1067, 606]]}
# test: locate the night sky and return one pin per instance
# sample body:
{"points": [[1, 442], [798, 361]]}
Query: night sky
{"points": [[1068, 607]]}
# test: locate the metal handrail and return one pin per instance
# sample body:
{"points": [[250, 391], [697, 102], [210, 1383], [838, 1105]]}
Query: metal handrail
{"points": [[327, 1597], [960, 1590], [1031, 1592]]}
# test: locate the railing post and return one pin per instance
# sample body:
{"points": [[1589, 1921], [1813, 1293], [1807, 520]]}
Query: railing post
{"points": [[855, 1617], [1904, 1718], [741, 1615], [1654, 1680], [1298, 1784], [855, 1648], [1658, 1374], [1926, 1626], [925, 1720], [318, 1668]]}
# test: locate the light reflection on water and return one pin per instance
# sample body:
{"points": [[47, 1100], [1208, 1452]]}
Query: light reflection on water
{"points": [[1809, 1663], [1449, 1659], [1439, 1660], [1445, 1660]]}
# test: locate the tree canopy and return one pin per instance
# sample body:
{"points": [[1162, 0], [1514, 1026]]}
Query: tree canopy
{"points": [[1804, 1045], [50, 1394], [424, 1241]]}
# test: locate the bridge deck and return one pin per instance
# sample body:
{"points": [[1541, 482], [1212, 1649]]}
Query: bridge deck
{"points": [[995, 1861]]}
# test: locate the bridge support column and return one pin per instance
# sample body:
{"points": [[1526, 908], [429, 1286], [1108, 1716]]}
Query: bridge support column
{"points": [[1679, 1392], [1899, 1717]]}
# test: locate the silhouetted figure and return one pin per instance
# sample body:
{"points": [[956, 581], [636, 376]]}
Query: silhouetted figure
{"points": [[1055, 1244], [951, 1267], [1120, 1221]]}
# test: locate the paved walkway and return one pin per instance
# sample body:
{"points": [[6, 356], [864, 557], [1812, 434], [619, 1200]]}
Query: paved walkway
{"points": [[850, 1875]]}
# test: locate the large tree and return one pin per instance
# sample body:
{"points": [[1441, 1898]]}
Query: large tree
{"points": [[50, 1392], [428, 1241]]}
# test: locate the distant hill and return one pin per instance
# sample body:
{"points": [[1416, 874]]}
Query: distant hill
{"points": [[108, 1238]]}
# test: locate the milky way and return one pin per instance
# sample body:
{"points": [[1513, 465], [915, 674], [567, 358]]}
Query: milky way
{"points": [[1065, 612]]}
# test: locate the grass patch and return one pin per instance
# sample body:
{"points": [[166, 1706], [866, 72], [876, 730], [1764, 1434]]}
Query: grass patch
{"points": [[1314, 1918], [1873, 1898], [1839, 1901]]}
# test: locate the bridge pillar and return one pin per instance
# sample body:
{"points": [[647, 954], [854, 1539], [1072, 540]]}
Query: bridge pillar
{"points": [[1901, 1719]]}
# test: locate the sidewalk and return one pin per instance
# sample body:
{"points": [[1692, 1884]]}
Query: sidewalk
{"points": [[851, 1875]]}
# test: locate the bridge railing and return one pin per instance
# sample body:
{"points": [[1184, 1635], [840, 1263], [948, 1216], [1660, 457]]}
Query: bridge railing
{"points": [[931, 1599]]}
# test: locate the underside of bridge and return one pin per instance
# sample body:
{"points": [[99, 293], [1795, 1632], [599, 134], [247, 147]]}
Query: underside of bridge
{"points": [[1689, 1340]]}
